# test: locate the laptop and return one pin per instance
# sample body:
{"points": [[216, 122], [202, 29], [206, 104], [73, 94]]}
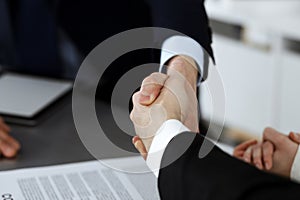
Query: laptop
{"points": [[25, 96]]}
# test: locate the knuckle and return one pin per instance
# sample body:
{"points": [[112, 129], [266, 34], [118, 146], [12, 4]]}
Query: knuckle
{"points": [[155, 74], [267, 130], [256, 160], [267, 144], [266, 159], [131, 116], [267, 147], [235, 152], [157, 77], [134, 97], [149, 79], [247, 154]]}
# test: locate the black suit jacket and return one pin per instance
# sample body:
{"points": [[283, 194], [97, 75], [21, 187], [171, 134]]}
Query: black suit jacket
{"points": [[89, 22], [216, 176]]}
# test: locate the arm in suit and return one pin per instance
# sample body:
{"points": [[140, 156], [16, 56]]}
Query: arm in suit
{"points": [[188, 17], [217, 176], [183, 174], [90, 22]]}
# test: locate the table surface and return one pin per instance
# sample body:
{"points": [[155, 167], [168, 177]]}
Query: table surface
{"points": [[53, 141]]}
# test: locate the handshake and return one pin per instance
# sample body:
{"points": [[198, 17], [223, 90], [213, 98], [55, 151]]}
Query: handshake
{"points": [[163, 97]]}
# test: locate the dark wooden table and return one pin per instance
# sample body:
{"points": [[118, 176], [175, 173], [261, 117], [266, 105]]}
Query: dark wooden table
{"points": [[54, 140]]}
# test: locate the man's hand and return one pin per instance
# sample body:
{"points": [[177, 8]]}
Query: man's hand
{"points": [[164, 97], [284, 154], [295, 137], [9, 147], [256, 153], [275, 154], [148, 119]]}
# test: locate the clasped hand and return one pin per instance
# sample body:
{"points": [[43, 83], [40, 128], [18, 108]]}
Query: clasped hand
{"points": [[276, 152], [163, 97]]}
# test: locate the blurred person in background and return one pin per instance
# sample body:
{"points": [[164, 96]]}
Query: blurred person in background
{"points": [[51, 38]]}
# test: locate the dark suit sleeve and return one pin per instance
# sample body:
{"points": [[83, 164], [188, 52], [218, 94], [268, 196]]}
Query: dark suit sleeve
{"points": [[217, 176], [188, 17]]}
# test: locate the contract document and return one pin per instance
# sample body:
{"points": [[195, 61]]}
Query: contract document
{"points": [[89, 180]]}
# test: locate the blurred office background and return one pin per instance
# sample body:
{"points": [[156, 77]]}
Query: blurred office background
{"points": [[257, 50]]}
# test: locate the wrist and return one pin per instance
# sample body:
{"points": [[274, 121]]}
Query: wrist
{"points": [[186, 66]]}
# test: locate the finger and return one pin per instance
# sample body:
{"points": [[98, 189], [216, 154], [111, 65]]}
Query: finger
{"points": [[136, 102], [4, 126], [136, 98], [246, 144], [151, 87], [268, 151], [9, 140], [7, 150], [274, 137], [257, 156], [240, 149], [137, 107], [295, 137], [248, 155], [10, 146], [137, 142]]}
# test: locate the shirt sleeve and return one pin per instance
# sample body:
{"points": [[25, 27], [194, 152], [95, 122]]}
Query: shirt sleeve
{"points": [[295, 173], [164, 135], [182, 45]]}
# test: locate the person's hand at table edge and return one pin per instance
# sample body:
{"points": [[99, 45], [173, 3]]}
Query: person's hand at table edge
{"points": [[275, 154], [9, 147]]}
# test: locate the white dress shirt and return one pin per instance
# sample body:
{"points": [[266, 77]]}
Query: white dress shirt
{"points": [[168, 130], [181, 45], [295, 173]]}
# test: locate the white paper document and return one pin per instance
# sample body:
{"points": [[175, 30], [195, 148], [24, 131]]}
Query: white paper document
{"points": [[80, 181]]}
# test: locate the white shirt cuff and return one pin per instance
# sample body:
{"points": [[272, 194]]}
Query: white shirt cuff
{"points": [[168, 130], [295, 173], [181, 45]]}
